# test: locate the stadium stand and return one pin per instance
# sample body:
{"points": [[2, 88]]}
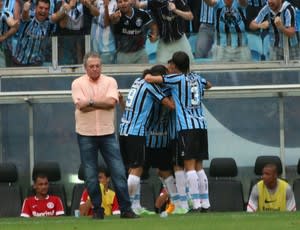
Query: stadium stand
{"points": [[77, 191], [10, 192], [225, 192], [296, 187], [52, 170]]}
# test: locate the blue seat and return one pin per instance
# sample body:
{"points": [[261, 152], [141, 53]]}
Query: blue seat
{"points": [[151, 50]]}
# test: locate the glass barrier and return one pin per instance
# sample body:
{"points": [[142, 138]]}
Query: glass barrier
{"points": [[69, 51]]}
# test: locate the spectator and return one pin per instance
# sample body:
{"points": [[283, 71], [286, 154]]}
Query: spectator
{"points": [[109, 199], [95, 97], [130, 27], [230, 43], [271, 193], [281, 23], [187, 89], [139, 106], [169, 17], [8, 27], [72, 30], [42, 204], [257, 39], [34, 33], [205, 37], [102, 37]]}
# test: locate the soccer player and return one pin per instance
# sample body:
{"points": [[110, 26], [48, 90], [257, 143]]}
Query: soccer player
{"points": [[109, 199], [271, 193], [137, 112], [187, 89], [159, 152], [42, 204]]}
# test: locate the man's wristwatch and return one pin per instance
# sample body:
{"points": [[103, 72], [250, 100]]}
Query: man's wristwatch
{"points": [[91, 102]]}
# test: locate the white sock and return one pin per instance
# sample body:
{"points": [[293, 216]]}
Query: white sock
{"points": [[203, 189], [134, 189], [193, 185], [171, 187], [181, 188]]}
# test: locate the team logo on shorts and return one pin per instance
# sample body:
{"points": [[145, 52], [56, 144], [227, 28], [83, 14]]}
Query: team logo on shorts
{"points": [[50, 205], [138, 22]]}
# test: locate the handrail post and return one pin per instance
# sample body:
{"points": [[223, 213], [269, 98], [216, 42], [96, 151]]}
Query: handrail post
{"points": [[281, 133]]}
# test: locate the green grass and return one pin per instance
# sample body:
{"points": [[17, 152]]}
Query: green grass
{"points": [[205, 221]]}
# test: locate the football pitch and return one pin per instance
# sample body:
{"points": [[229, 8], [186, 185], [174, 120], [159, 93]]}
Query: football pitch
{"points": [[205, 221]]}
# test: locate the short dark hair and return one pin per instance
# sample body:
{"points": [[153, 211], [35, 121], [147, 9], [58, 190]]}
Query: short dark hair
{"points": [[104, 171], [44, 1], [38, 175], [271, 165], [181, 60], [156, 70]]}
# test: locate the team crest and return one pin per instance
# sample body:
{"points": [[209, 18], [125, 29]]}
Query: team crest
{"points": [[138, 22], [126, 23], [50, 205]]}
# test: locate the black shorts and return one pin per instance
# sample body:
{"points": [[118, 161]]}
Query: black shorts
{"points": [[176, 154], [159, 158], [193, 144], [133, 150]]}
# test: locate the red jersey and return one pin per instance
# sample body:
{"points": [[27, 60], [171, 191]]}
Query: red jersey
{"points": [[50, 206]]}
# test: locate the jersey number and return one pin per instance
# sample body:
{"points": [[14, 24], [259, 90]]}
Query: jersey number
{"points": [[195, 94], [130, 97]]}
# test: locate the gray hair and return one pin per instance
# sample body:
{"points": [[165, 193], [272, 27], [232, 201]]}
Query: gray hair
{"points": [[88, 55]]}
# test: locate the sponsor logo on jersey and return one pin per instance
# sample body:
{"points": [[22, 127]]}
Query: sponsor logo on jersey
{"points": [[50, 205]]}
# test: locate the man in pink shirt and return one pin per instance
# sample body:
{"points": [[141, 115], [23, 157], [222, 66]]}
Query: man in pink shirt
{"points": [[95, 97]]}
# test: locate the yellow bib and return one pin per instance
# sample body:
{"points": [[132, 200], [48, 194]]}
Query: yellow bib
{"points": [[107, 200], [272, 202]]}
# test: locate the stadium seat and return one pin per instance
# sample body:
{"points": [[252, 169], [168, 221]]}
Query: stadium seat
{"points": [[52, 171], [260, 162], [148, 195], [296, 188], [225, 193], [10, 193], [151, 50], [77, 191]]}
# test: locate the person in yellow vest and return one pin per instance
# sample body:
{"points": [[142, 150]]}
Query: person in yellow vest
{"points": [[109, 199], [271, 193]]}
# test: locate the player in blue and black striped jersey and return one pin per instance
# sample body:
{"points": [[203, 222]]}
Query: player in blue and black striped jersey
{"points": [[187, 89], [158, 151], [139, 104]]}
